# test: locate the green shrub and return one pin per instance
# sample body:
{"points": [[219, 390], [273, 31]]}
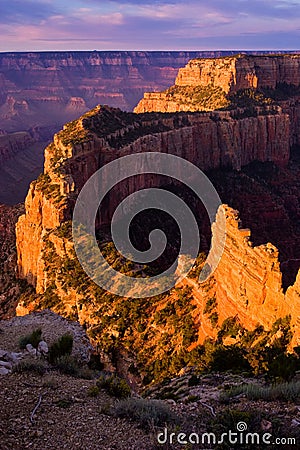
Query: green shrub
{"points": [[86, 373], [93, 391], [227, 419], [38, 366], [192, 398], [193, 380], [33, 338], [210, 305], [50, 382], [64, 403], [68, 365], [283, 367], [230, 327], [146, 413], [114, 386], [231, 358], [63, 346], [214, 317], [95, 362], [281, 391]]}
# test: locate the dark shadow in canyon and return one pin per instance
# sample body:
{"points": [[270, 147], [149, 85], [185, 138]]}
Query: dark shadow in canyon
{"points": [[267, 198]]}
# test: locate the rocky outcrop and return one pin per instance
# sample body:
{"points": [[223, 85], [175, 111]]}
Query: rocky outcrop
{"points": [[247, 283], [241, 72], [207, 140], [8, 360], [53, 327], [221, 77]]}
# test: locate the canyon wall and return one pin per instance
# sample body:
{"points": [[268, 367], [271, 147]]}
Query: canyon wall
{"points": [[11, 144], [52, 88], [39, 92], [45, 90], [84, 146], [226, 75], [247, 283], [248, 280], [207, 140], [241, 72]]}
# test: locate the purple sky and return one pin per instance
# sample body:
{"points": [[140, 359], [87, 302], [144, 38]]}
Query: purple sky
{"points": [[157, 25]]}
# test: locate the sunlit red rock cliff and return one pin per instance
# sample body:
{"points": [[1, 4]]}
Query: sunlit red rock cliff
{"points": [[221, 76], [248, 281]]}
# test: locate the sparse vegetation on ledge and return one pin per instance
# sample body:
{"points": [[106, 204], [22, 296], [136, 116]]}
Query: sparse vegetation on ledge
{"points": [[206, 98]]}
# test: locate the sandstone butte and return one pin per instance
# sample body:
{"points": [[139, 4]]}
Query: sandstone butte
{"points": [[227, 76], [248, 280]]}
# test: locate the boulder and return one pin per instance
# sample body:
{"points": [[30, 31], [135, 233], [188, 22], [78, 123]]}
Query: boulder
{"points": [[3, 353], [43, 348], [5, 364], [31, 349]]}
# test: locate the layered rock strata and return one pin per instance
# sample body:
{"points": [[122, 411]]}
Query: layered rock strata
{"points": [[52, 88], [207, 140], [223, 76], [241, 72], [12, 144], [248, 280]]}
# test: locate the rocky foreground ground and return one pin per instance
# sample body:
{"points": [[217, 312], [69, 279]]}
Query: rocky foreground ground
{"points": [[53, 410]]}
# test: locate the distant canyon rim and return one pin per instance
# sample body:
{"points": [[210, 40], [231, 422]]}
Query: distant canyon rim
{"points": [[39, 92]]}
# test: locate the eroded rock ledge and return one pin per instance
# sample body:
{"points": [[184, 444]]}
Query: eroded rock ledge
{"points": [[212, 81], [248, 282], [209, 140]]}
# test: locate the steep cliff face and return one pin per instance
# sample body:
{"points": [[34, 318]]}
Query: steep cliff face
{"points": [[247, 284], [53, 88], [209, 141], [11, 144], [248, 280], [216, 79], [45, 90], [267, 199], [49, 89], [241, 72], [236, 147]]}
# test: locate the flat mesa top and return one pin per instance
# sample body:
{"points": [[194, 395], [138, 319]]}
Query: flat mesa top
{"points": [[250, 56]]}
